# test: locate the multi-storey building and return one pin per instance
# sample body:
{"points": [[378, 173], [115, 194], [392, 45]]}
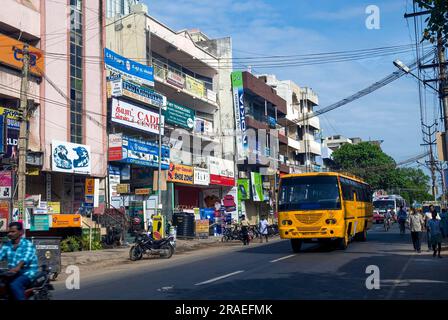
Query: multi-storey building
{"points": [[188, 73], [66, 126], [301, 151]]}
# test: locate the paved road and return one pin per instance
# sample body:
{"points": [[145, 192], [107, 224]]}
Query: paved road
{"points": [[272, 271]]}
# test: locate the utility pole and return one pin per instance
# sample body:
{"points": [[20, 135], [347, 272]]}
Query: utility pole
{"points": [[443, 86], [23, 134], [428, 133]]}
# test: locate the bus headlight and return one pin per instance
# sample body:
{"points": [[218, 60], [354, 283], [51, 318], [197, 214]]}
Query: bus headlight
{"points": [[330, 221], [286, 222]]}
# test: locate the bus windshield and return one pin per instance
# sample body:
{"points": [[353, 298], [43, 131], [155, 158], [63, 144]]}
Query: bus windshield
{"points": [[309, 193], [384, 204]]}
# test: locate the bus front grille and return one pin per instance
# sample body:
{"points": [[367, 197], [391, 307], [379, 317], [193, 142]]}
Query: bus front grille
{"points": [[310, 218]]}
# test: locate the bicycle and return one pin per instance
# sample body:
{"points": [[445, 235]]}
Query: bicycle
{"points": [[386, 224]]}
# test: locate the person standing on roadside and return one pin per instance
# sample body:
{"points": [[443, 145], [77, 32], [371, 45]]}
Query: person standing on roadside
{"points": [[436, 234], [402, 217], [428, 217], [444, 222], [245, 230], [263, 227], [416, 225]]}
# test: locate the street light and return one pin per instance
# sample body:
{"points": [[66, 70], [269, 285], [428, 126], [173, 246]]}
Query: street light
{"points": [[400, 65]]}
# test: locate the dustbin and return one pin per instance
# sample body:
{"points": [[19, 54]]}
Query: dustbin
{"points": [[48, 250]]}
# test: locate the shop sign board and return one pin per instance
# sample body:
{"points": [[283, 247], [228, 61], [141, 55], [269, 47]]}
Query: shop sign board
{"points": [[144, 153], [222, 172], [203, 126], [40, 222], [53, 207], [65, 221], [180, 173], [135, 117], [11, 54], [257, 186], [135, 71], [240, 114], [4, 215], [11, 139], [243, 189], [202, 228], [114, 180], [123, 188], [122, 87], [201, 176], [70, 157], [175, 79], [142, 191], [179, 115], [115, 144], [5, 184], [195, 86]]}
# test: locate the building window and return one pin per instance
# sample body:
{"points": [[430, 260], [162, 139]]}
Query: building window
{"points": [[76, 80]]}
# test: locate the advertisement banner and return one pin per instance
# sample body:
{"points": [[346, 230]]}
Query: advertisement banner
{"points": [[11, 139], [123, 188], [195, 86], [222, 172], [144, 153], [125, 172], [54, 207], [180, 173], [89, 191], [70, 157], [142, 191], [135, 117], [11, 54], [114, 180], [257, 186], [65, 221], [179, 115], [135, 71], [175, 79], [243, 189], [201, 176], [40, 222], [143, 94], [4, 215], [115, 147], [240, 114], [202, 228], [203, 126], [5, 184]]}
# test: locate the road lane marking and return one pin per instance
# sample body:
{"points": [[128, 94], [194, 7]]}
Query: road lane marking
{"points": [[287, 257], [400, 276], [219, 278]]}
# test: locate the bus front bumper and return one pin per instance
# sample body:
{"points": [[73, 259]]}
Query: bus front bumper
{"points": [[319, 232]]}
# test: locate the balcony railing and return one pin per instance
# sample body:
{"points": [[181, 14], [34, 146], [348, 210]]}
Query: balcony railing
{"points": [[183, 81]]}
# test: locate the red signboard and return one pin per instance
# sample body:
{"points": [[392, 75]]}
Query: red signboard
{"points": [[222, 181]]}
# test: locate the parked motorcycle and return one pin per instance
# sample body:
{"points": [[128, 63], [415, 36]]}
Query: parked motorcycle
{"points": [[38, 290], [146, 244]]}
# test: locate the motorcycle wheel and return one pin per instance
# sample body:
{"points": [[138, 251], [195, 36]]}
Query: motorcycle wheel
{"points": [[135, 253], [170, 251], [43, 295]]}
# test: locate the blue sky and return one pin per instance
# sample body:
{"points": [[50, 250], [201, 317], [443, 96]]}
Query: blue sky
{"points": [[291, 27]]}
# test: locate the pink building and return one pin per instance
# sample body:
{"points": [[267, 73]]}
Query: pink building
{"points": [[67, 130]]}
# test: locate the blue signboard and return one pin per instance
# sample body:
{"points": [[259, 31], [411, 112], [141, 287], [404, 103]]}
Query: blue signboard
{"points": [[133, 70], [144, 153]]}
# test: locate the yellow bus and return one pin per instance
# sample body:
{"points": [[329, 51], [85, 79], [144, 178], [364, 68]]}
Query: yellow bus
{"points": [[324, 207]]}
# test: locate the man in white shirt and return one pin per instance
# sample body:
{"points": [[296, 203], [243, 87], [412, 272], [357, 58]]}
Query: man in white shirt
{"points": [[263, 227]]}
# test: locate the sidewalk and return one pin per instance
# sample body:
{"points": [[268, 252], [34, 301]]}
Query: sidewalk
{"points": [[108, 257]]}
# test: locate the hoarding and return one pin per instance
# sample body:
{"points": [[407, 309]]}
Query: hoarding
{"points": [[136, 71], [65, 221], [257, 186], [4, 215], [222, 172], [144, 153], [180, 173], [11, 54], [175, 79], [195, 86], [240, 114], [135, 117], [5, 184], [179, 115], [115, 147], [201, 176], [121, 87], [70, 157], [243, 189]]}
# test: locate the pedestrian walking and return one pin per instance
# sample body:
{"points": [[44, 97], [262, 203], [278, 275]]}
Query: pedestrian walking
{"points": [[436, 234], [245, 230], [444, 222], [263, 227], [416, 225], [402, 217], [428, 217]]}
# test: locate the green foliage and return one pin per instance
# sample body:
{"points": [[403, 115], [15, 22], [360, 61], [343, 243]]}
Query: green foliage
{"points": [[85, 242], [437, 22], [70, 244], [378, 169]]}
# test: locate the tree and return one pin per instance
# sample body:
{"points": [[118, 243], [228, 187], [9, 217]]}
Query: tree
{"points": [[437, 22], [368, 162], [414, 185]]}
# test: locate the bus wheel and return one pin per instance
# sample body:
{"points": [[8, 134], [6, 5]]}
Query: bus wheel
{"points": [[296, 244], [362, 236], [343, 243]]}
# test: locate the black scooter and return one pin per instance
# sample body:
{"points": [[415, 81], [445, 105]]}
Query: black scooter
{"points": [[38, 290], [145, 244]]}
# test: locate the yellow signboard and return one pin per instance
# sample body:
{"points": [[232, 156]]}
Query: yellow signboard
{"points": [[180, 173], [158, 227], [90, 187], [66, 221], [54, 207], [202, 228], [143, 191], [32, 171], [195, 86], [123, 188]]}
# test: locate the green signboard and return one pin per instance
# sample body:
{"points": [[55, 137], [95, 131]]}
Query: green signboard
{"points": [[257, 186], [179, 115], [243, 189], [40, 222]]}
